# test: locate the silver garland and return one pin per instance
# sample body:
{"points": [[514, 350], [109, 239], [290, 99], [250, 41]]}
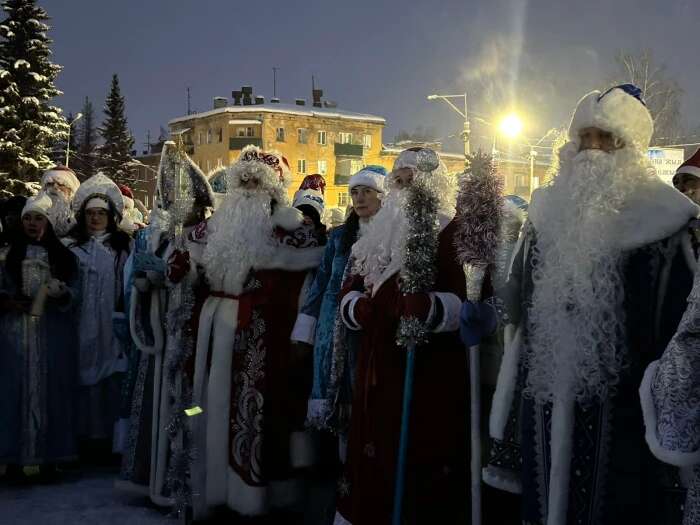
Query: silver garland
{"points": [[419, 270]]}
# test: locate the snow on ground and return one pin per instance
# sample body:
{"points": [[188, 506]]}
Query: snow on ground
{"points": [[79, 499]]}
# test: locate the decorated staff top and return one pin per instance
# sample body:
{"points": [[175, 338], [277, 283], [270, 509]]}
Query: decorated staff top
{"points": [[479, 210]]}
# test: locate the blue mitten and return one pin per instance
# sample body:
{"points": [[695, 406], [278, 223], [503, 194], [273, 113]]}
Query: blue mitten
{"points": [[476, 321]]}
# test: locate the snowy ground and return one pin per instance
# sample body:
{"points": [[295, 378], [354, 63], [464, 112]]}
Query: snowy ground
{"points": [[79, 499]]}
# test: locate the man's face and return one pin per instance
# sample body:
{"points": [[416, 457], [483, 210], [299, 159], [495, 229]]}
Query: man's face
{"points": [[54, 188], [688, 185], [96, 220], [402, 178], [596, 138]]}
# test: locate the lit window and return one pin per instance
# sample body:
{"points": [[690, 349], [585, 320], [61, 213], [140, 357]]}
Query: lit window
{"points": [[279, 136], [301, 166], [240, 132], [367, 141], [322, 167], [322, 140], [345, 138], [342, 198], [301, 135], [355, 166]]}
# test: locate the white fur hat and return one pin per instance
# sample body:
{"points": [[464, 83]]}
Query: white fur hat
{"points": [[370, 176], [620, 111], [40, 203], [62, 175], [270, 168], [311, 198], [101, 186]]}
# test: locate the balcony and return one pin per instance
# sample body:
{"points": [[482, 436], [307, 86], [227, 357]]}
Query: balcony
{"points": [[238, 143], [341, 179], [348, 150]]}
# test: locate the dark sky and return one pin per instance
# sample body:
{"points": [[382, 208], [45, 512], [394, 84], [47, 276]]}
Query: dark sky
{"points": [[376, 56]]}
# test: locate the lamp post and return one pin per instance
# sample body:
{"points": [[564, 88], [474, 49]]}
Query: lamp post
{"points": [[466, 132], [70, 125]]}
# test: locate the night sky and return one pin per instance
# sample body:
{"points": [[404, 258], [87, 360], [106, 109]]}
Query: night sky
{"points": [[380, 57]]}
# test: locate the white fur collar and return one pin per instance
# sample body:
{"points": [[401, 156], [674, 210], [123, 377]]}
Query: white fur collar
{"points": [[652, 213]]}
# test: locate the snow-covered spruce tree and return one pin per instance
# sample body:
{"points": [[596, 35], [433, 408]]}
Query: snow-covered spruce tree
{"points": [[115, 153], [85, 160], [29, 126]]}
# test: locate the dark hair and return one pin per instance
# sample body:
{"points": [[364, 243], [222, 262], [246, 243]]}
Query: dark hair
{"points": [[118, 240], [352, 227], [62, 262]]}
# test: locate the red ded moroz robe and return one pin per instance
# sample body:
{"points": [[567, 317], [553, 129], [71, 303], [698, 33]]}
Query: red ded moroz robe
{"points": [[438, 469]]}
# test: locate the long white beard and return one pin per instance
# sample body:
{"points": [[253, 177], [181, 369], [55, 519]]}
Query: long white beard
{"points": [[61, 213], [240, 236], [576, 327], [382, 243]]}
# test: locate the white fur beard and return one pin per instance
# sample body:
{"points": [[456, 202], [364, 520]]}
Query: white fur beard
{"points": [[61, 212], [382, 242], [576, 321], [240, 236]]}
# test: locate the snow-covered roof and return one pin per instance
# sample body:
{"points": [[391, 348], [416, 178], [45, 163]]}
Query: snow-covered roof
{"points": [[289, 109], [243, 121]]}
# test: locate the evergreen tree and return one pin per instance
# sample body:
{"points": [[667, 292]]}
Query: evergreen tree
{"points": [[29, 127], [85, 162], [58, 150], [115, 153]]}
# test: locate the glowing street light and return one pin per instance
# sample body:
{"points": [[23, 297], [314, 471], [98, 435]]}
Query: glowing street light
{"points": [[511, 126], [70, 125]]}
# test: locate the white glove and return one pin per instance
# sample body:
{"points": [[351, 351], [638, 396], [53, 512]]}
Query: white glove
{"points": [[56, 288]]}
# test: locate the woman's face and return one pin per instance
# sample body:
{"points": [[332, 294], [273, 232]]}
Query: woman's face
{"points": [[96, 220], [34, 225], [365, 201]]}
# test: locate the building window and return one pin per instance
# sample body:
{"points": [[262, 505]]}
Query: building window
{"points": [[240, 132], [220, 134], [209, 136], [301, 166], [279, 136], [342, 198], [322, 167], [302, 135], [345, 138], [200, 138], [367, 141], [249, 132], [322, 140], [208, 165], [218, 162], [355, 166]]}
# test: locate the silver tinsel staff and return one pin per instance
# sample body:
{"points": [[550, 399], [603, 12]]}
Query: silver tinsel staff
{"points": [[479, 209], [417, 276]]}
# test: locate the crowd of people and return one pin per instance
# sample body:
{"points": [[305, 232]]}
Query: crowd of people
{"points": [[235, 352]]}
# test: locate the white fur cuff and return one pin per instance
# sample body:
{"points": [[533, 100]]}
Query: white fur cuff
{"points": [[304, 330], [349, 320], [451, 306], [288, 219]]}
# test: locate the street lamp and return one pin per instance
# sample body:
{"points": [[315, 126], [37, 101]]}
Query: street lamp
{"points": [[70, 125], [466, 131]]}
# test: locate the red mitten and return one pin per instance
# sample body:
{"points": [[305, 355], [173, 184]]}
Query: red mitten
{"points": [[178, 266], [354, 282], [415, 305]]}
